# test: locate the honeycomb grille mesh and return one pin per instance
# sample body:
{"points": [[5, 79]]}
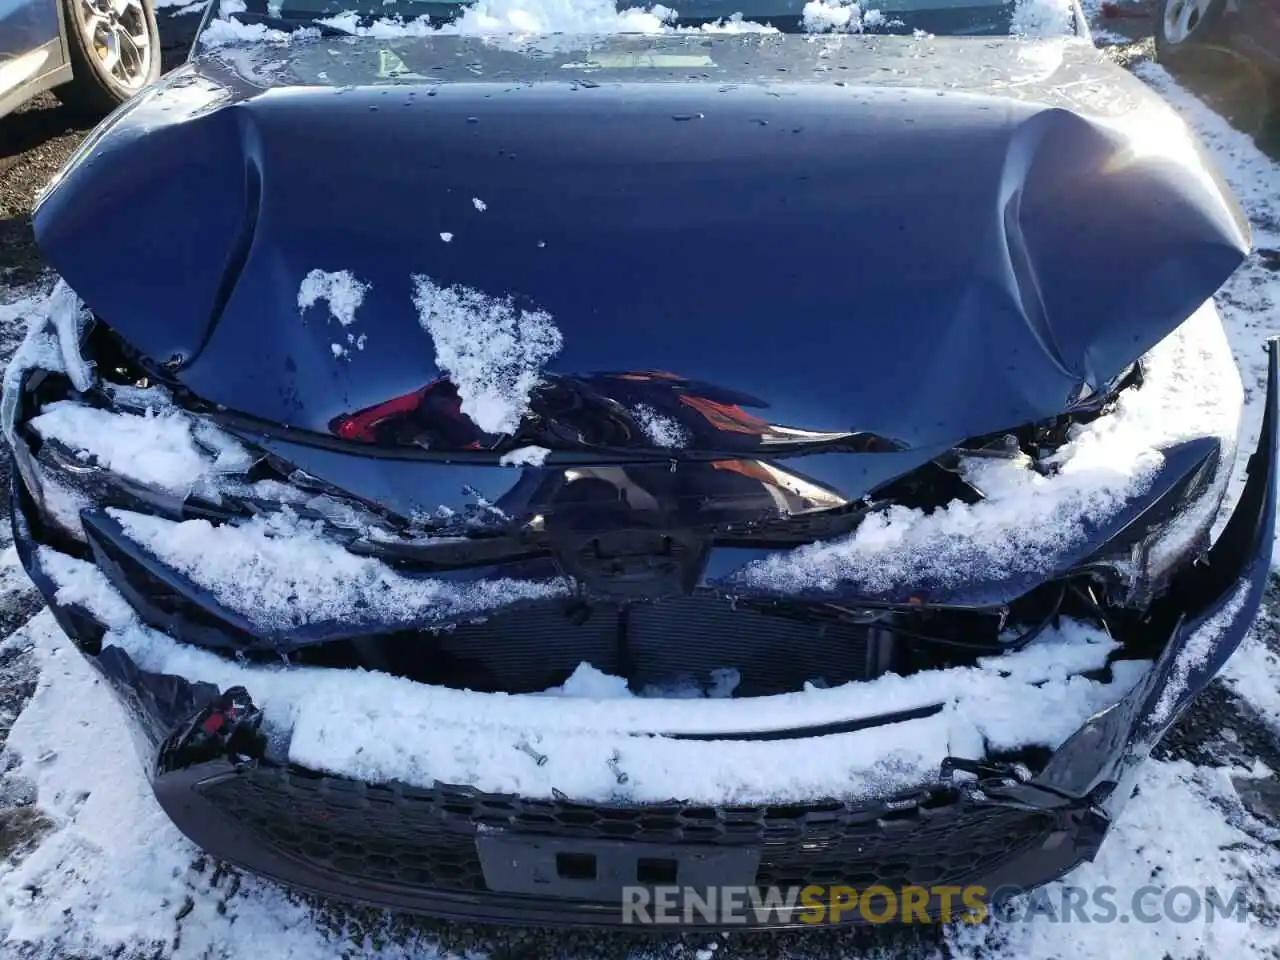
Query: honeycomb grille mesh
{"points": [[425, 838]]}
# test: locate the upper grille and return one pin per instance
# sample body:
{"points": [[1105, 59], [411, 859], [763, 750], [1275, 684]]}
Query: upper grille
{"points": [[681, 639], [662, 642]]}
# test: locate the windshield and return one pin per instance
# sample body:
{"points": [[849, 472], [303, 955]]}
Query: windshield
{"points": [[938, 17]]}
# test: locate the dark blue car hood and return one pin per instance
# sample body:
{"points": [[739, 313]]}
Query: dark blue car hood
{"points": [[925, 240]]}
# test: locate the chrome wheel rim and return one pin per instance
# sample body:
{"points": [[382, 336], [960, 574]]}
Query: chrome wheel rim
{"points": [[1181, 17], [118, 36]]}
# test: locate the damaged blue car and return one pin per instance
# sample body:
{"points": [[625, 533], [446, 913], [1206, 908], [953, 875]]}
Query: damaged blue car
{"points": [[544, 477]]}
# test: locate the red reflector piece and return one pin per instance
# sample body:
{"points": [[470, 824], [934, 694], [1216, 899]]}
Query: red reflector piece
{"points": [[213, 723]]}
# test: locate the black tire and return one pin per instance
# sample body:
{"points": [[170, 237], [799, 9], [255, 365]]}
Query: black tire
{"points": [[93, 90], [1180, 49]]}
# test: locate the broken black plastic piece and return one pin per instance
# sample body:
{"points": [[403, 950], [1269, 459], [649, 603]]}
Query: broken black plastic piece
{"points": [[230, 727]]}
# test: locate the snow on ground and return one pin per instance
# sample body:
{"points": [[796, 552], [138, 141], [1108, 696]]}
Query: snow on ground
{"points": [[1249, 302], [1187, 825], [114, 873], [1250, 308]]}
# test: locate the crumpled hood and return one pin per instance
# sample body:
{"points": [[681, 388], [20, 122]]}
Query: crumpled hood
{"points": [[925, 241]]}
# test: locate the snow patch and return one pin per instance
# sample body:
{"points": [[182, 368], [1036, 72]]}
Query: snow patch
{"points": [[840, 16], [282, 572], [446, 237], [61, 503], [158, 450], [492, 350], [1191, 389], [341, 289], [479, 204], [525, 457], [662, 431], [590, 682], [1037, 19], [384, 28], [491, 18], [369, 725], [1195, 652], [223, 31], [587, 681]]}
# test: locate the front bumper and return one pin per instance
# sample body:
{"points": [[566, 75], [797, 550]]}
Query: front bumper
{"points": [[458, 853]]}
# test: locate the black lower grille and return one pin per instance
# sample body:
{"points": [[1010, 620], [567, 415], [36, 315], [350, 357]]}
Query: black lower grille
{"points": [[426, 837], [665, 642]]}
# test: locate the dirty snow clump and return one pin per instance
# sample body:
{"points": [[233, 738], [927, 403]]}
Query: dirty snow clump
{"points": [[492, 350]]}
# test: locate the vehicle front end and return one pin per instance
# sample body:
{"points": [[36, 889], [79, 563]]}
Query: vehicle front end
{"points": [[585, 530]]}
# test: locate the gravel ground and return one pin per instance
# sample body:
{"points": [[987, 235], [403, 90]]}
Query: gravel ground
{"points": [[1220, 730]]}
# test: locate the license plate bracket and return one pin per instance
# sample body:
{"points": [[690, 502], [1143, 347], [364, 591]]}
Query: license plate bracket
{"points": [[600, 870]]}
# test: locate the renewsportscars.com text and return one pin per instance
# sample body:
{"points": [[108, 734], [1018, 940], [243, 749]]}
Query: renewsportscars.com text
{"points": [[816, 904]]}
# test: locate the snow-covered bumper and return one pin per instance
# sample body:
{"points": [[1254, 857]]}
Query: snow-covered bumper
{"points": [[464, 852]]}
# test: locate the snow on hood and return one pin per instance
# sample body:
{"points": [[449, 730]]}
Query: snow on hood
{"points": [[344, 294], [370, 725], [490, 349]]}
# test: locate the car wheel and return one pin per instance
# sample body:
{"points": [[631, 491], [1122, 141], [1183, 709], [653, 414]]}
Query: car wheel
{"points": [[1182, 24], [115, 52]]}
